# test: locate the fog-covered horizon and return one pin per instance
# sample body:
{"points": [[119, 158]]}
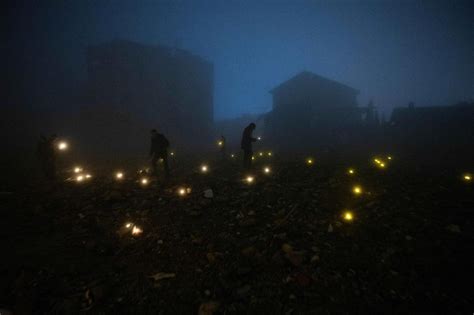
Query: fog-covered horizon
{"points": [[391, 51]]}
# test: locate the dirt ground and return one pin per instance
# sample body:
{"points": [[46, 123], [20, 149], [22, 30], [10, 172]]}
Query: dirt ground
{"points": [[279, 244]]}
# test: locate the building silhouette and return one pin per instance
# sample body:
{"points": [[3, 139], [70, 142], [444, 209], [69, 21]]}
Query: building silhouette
{"points": [[311, 109], [165, 88]]}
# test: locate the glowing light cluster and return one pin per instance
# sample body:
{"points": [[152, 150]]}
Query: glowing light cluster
{"points": [[78, 169], [380, 163], [82, 177], [183, 191], [134, 229]]}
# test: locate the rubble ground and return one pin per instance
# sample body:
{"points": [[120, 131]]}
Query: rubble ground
{"points": [[279, 244]]}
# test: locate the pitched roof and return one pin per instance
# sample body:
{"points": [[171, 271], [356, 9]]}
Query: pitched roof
{"points": [[314, 79]]}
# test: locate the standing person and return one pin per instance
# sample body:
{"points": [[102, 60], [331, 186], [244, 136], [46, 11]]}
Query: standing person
{"points": [[46, 152], [159, 150], [222, 147], [246, 145]]}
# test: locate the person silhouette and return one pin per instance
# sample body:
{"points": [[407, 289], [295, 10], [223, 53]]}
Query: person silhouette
{"points": [[159, 150], [246, 145]]}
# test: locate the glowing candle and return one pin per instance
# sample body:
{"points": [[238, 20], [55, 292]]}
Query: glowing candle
{"points": [[62, 145], [357, 190], [348, 216]]}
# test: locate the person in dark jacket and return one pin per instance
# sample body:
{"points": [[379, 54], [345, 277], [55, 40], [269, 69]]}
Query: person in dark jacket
{"points": [[246, 145], [222, 147], [159, 150], [46, 152]]}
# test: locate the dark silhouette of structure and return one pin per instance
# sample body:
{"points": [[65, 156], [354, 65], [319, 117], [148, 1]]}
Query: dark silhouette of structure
{"points": [[246, 145], [159, 85], [310, 109], [159, 150], [437, 129], [46, 152]]}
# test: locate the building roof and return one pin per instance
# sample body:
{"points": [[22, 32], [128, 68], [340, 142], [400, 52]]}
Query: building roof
{"points": [[317, 80], [128, 45]]}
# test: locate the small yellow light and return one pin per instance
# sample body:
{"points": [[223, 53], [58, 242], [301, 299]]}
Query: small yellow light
{"points": [[136, 230], [266, 170], [172, 153], [253, 157], [220, 143], [80, 178], [351, 171], [144, 181], [389, 157], [382, 165], [128, 225], [77, 169], [261, 154], [182, 191], [204, 168], [249, 179], [309, 161], [232, 155], [467, 177], [119, 175], [88, 176], [357, 190], [62, 145], [269, 153], [377, 161], [348, 216]]}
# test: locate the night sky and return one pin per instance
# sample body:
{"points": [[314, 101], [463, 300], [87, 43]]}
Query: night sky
{"points": [[393, 52]]}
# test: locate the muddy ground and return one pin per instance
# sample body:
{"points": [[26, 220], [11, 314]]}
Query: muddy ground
{"points": [[279, 244]]}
